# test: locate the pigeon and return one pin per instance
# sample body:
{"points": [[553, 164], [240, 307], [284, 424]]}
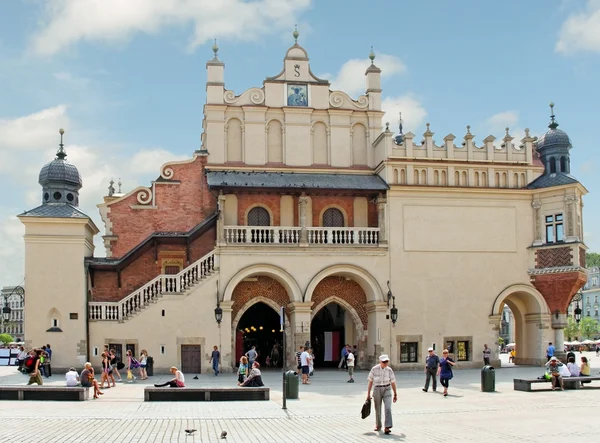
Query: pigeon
{"points": [[195, 377], [224, 434], [190, 431]]}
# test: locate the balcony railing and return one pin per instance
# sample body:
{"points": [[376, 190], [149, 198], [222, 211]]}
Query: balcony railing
{"points": [[260, 235]]}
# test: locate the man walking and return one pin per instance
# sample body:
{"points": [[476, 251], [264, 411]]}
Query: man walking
{"points": [[487, 352], [382, 380], [251, 354], [550, 351], [343, 364], [350, 362], [215, 358], [305, 360], [431, 366]]}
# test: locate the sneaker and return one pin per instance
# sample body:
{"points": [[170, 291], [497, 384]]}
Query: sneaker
{"points": [[351, 380], [425, 390]]}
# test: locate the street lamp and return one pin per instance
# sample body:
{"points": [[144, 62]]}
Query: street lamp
{"points": [[577, 311], [17, 290], [393, 309], [218, 309]]}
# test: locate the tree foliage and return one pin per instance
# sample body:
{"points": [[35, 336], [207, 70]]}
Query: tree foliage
{"points": [[592, 259], [572, 329], [589, 327], [6, 338]]}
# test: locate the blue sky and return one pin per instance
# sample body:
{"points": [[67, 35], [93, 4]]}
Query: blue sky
{"points": [[126, 79]]}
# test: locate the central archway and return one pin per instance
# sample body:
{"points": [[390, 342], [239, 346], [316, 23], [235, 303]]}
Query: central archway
{"points": [[259, 326]]}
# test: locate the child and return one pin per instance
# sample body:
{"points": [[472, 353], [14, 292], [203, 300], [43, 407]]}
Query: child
{"points": [[311, 366], [243, 369]]}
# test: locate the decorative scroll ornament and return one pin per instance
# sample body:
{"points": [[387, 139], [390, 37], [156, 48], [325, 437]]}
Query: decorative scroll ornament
{"points": [[144, 196], [253, 95], [167, 173], [337, 99]]}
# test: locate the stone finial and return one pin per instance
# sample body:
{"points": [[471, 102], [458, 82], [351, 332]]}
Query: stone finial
{"points": [[428, 131], [527, 132], [111, 188], [120, 184], [507, 134], [296, 34], [387, 126], [372, 56], [215, 48], [468, 129], [553, 123]]}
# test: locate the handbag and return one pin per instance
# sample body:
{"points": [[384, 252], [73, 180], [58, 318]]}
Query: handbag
{"points": [[129, 375], [366, 409]]}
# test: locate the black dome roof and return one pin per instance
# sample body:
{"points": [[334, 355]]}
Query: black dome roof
{"points": [[60, 170], [554, 137]]}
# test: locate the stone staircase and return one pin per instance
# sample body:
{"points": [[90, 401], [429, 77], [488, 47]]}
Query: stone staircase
{"points": [[152, 291]]}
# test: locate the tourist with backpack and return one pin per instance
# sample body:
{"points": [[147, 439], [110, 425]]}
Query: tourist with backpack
{"points": [[32, 367], [132, 363]]}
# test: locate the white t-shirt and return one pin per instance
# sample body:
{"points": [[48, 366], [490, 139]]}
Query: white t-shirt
{"points": [[179, 376], [573, 369], [304, 359], [350, 359], [71, 377]]}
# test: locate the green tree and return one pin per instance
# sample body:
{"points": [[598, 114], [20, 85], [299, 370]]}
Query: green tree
{"points": [[6, 338], [592, 259], [500, 341], [589, 327], [572, 329]]}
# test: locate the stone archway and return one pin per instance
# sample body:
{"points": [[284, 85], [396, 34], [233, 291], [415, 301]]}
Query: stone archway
{"points": [[532, 321], [367, 282], [280, 275]]}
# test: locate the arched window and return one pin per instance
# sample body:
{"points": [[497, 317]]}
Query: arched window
{"points": [[333, 218], [259, 216], [563, 164], [552, 165]]}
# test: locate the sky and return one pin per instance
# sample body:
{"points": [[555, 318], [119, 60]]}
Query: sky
{"points": [[126, 80]]}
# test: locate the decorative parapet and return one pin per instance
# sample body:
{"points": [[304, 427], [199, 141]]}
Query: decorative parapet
{"points": [[506, 152], [339, 99], [252, 96]]}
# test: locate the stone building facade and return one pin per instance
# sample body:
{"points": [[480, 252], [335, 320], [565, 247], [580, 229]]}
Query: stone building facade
{"points": [[297, 198]]}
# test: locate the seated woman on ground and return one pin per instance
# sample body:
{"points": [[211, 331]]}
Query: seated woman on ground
{"points": [[254, 380], [88, 380], [177, 382]]}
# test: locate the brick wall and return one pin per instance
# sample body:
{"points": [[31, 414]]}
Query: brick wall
{"points": [[146, 267], [347, 290], [320, 202], [558, 289], [270, 201], [180, 207], [553, 257], [264, 286]]}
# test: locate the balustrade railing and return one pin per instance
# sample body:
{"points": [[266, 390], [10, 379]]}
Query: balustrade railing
{"points": [[259, 235], [151, 291]]}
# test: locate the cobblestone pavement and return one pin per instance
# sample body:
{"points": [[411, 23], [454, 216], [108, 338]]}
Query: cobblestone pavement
{"points": [[327, 411]]}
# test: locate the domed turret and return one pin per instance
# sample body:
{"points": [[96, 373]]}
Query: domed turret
{"points": [[60, 180]]}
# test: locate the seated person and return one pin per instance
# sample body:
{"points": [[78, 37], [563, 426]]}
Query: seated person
{"points": [[573, 367], [585, 370], [177, 382], [254, 380], [87, 379], [553, 366], [72, 378]]}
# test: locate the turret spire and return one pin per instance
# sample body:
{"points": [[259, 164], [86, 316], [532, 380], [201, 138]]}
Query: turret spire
{"points": [[372, 56], [215, 48], [61, 153], [553, 123], [296, 34]]}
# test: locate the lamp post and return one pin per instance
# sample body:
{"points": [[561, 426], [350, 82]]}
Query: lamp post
{"points": [[393, 309], [218, 309], [6, 310], [577, 311]]}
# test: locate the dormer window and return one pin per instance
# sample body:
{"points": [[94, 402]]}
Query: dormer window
{"points": [[554, 228]]}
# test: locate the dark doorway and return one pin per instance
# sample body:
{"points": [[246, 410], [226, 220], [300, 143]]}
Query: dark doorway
{"points": [[327, 335], [259, 326], [118, 347], [191, 359]]}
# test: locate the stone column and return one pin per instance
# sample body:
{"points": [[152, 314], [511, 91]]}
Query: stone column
{"points": [[302, 203], [381, 205], [492, 341], [559, 324], [378, 332], [221, 219], [300, 329], [226, 338], [537, 206]]}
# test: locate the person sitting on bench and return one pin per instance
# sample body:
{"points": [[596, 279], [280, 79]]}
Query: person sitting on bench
{"points": [[254, 380], [554, 367], [177, 382], [585, 370]]}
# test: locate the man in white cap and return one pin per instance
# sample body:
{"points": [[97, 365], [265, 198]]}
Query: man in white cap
{"points": [[431, 366], [554, 366], [382, 380]]}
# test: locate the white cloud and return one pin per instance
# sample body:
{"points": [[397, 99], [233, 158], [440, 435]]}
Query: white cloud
{"points": [[27, 143], [351, 76], [71, 21], [581, 30], [413, 112], [502, 120]]}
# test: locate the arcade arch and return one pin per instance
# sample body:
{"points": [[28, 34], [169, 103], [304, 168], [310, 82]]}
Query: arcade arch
{"points": [[531, 316]]}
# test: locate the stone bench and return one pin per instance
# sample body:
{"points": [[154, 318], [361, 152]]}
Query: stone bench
{"points": [[206, 394], [50, 393], [522, 384]]}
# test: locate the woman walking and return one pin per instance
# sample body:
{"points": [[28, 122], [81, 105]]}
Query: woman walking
{"points": [[131, 364], [105, 368], [143, 364], [115, 364], [445, 371]]}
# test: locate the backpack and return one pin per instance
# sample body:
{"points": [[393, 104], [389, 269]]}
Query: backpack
{"points": [[29, 364], [134, 363]]}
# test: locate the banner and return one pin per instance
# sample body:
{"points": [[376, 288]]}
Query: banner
{"points": [[328, 345]]}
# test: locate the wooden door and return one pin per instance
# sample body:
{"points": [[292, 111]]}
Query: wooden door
{"points": [[191, 359]]}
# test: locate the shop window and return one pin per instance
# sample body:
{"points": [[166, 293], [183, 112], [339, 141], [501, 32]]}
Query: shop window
{"points": [[462, 351], [409, 352]]}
